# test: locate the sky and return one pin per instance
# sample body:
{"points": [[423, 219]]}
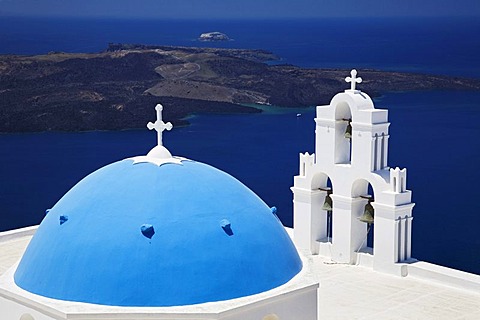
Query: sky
{"points": [[230, 9]]}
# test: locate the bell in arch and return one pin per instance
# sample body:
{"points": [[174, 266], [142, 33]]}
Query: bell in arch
{"points": [[368, 214], [327, 204], [348, 130]]}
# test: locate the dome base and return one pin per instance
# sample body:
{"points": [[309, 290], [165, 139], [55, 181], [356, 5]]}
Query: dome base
{"points": [[159, 155]]}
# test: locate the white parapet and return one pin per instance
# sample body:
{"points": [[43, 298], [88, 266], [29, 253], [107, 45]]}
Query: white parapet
{"points": [[398, 180], [17, 233], [306, 163]]}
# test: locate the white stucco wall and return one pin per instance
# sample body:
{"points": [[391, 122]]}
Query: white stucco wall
{"points": [[12, 310], [294, 305]]}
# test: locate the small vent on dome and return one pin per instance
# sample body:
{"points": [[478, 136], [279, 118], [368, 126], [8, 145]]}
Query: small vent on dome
{"points": [[47, 211], [227, 227], [274, 211], [63, 219], [147, 230]]}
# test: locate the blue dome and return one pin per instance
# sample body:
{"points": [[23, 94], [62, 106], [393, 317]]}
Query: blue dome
{"points": [[147, 235]]}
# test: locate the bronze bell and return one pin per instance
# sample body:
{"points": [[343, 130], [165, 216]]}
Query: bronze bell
{"points": [[368, 214], [348, 131], [327, 204]]}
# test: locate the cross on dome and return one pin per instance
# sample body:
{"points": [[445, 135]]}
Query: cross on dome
{"points": [[159, 155], [353, 79], [159, 125]]}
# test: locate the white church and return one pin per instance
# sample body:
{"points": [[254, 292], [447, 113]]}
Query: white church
{"points": [[164, 237]]}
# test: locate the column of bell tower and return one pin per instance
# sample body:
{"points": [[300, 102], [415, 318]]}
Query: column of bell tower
{"points": [[370, 144]]}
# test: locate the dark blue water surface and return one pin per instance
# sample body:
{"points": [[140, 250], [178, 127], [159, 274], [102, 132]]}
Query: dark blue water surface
{"points": [[434, 45], [434, 134]]}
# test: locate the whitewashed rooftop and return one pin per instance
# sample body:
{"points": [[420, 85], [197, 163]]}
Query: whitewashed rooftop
{"points": [[356, 292], [349, 291]]}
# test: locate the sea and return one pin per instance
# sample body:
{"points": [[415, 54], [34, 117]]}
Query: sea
{"points": [[434, 134]]}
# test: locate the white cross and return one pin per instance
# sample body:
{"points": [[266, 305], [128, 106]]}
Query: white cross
{"points": [[353, 79], [159, 125]]}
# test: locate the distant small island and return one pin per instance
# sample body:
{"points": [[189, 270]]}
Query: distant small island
{"points": [[213, 36], [118, 88]]}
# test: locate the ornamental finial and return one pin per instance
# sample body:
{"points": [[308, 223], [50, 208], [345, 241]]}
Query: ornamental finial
{"points": [[159, 155], [159, 125], [353, 79]]}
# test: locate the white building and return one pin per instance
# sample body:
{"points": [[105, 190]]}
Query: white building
{"points": [[164, 237], [351, 150]]}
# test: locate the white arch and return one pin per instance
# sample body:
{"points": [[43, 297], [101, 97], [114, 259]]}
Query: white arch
{"points": [[356, 103], [319, 180], [360, 187], [342, 111]]}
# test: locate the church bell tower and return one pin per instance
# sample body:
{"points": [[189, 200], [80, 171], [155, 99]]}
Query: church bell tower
{"points": [[346, 190]]}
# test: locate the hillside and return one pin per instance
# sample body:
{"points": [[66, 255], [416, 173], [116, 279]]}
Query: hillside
{"points": [[118, 88]]}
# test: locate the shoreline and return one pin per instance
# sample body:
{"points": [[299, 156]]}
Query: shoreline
{"points": [[115, 89]]}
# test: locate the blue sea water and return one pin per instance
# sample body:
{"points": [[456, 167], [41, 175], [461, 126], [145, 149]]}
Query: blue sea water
{"points": [[433, 134], [433, 45]]}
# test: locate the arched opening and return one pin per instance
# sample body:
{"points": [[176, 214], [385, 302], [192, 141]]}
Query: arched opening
{"points": [[271, 316], [364, 215], [323, 183], [343, 134], [27, 316], [328, 207]]}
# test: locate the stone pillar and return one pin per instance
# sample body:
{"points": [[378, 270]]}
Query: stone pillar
{"points": [[385, 151], [392, 236], [348, 231], [309, 220], [379, 156], [402, 229], [408, 244]]}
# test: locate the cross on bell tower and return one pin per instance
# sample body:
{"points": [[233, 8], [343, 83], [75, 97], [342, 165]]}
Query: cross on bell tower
{"points": [[159, 125], [353, 79]]}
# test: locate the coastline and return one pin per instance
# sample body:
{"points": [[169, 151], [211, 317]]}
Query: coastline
{"points": [[115, 89]]}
